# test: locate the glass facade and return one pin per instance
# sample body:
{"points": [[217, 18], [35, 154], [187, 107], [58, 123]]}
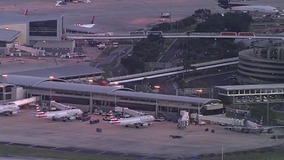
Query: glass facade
{"points": [[43, 28]]}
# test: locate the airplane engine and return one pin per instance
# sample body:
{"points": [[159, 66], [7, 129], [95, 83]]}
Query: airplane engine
{"points": [[14, 112], [146, 124], [72, 118]]}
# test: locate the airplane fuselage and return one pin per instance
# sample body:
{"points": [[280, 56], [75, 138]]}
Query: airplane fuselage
{"points": [[9, 109], [134, 120], [60, 114], [254, 8]]}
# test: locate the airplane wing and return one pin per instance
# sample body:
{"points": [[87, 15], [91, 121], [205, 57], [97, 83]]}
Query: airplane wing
{"points": [[271, 127], [87, 25]]}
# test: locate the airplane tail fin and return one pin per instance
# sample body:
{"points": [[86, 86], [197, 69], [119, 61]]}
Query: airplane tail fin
{"points": [[261, 120], [40, 113], [93, 19], [112, 119], [26, 12]]}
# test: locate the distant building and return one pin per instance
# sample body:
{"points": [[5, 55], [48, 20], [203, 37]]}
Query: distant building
{"points": [[261, 65], [18, 30]]}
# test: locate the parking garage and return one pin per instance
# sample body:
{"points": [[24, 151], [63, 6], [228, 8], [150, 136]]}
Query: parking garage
{"points": [[89, 97]]}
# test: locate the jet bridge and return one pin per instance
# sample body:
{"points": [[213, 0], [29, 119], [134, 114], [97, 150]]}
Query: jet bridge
{"points": [[26, 101], [131, 112], [219, 120], [60, 106]]}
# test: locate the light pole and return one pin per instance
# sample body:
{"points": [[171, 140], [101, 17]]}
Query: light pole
{"points": [[267, 108], [198, 109], [114, 100], [50, 78], [171, 14]]}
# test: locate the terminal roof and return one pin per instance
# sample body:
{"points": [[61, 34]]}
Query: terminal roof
{"points": [[7, 35], [12, 18], [247, 87], [164, 97], [73, 28], [45, 83], [2, 85], [60, 72]]}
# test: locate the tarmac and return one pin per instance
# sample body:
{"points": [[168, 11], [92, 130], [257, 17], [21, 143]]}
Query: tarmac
{"points": [[153, 141], [120, 15]]}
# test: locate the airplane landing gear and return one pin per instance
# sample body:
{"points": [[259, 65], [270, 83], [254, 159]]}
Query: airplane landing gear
{"points": [[137, 126], [53, 118], [126, 126]]}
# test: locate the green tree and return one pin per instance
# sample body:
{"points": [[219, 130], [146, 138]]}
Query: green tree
{"points": [[232, 22], [133, 64], [258, 112]]}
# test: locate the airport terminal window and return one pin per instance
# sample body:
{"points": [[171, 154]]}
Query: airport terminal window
{"points": [[8, 89], [43, 28], [8, 96]]}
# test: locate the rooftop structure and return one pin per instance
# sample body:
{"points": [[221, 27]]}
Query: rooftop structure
{"points": [[8, 35], [12, 18], [55, 84], [64, 72]]}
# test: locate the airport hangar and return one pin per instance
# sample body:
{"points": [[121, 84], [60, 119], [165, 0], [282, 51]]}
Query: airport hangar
{"points": [[38, 32], [15, 86]]}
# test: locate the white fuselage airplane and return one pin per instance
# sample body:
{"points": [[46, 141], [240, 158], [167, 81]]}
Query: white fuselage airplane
{"points": [[137, 121], [255, 8], [251, 127], [9, 109], [69, 114], [86, 25]]}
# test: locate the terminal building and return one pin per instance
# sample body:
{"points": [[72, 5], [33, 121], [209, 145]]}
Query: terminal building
{"points": [[40, 31], [248, 94], [261, 65], [88, 96]]}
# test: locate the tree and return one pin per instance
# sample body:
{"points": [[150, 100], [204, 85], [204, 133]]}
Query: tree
{"points": [[258, 112], [133, 64], [232, 22]]}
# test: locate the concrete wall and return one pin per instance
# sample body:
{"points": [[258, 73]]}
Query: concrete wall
{"points": [[22, 39], [20, 93]]}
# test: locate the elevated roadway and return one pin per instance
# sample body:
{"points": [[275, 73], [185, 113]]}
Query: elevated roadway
{"points": [[173, 35], [173, 71]]}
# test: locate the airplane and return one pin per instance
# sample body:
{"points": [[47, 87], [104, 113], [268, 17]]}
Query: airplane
{"points": [[246, 8], [137, 121], [69, 114], [86, 25], [252, 127], [9, 109]]}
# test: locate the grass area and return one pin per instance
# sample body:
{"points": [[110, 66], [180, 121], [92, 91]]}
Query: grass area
{"points": [[106, 52], [280, 116], [248, 155], [45, 153], [168, 42], [106, 74]]}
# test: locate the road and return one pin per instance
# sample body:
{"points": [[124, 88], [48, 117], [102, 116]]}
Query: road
{"points": [[221, 79]]}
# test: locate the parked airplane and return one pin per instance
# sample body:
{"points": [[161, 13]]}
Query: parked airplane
{"points": [[64, 114], [246, 8], [86, 25], [9, 109], [251, 127], [137, 121]]}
